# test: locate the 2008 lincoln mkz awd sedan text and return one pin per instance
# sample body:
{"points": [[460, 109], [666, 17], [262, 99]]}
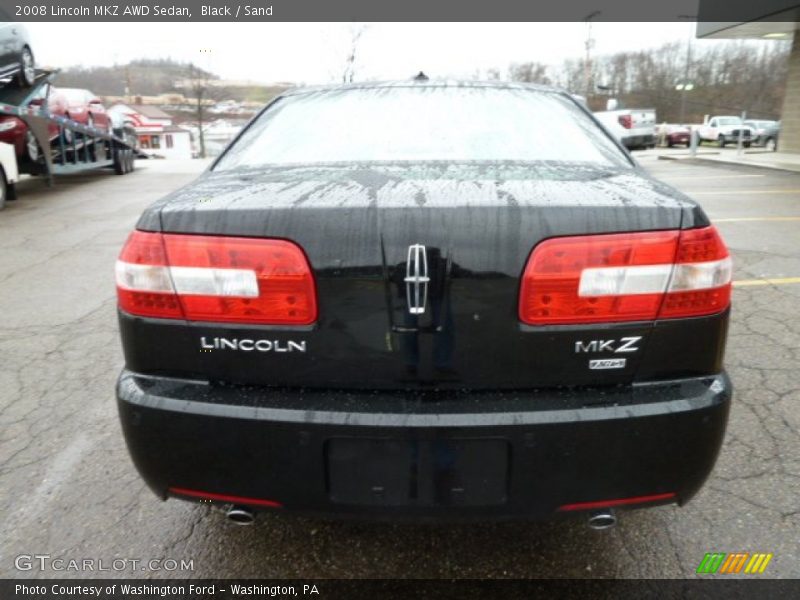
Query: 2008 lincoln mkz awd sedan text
{"points": [[425, 300]]}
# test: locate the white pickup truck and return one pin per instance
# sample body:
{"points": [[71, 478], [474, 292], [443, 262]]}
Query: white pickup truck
{"points": [[633, 127], [725, 130]]}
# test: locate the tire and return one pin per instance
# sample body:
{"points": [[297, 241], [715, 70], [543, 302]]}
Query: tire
{"points": [[131, 161], [746, 144], [27, 72], [119, 166], [771, 144], [721, 141], [3, 190]]}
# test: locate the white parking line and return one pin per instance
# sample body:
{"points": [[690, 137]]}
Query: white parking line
{"points": [[713, 176], [739, 192]]}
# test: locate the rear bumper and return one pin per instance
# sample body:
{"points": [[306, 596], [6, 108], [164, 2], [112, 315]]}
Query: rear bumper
{"points": [[403, 455], [637, 141], [682, 138]]}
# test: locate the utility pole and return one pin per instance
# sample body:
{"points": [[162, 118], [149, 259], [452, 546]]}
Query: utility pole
{"points": [[128, 83], [587, 64], [686, 77]]}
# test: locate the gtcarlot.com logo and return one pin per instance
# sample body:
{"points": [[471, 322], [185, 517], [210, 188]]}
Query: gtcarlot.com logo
{"points": [[735, 562], [46, 562]]}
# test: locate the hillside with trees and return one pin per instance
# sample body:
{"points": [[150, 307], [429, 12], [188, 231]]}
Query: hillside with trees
{"points": [[151, 77], [143, 77]]}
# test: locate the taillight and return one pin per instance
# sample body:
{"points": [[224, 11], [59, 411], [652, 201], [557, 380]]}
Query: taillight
{"points": [[212, 278], [626, 277], [626, 121]]}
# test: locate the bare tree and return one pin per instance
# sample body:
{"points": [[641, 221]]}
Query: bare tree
{"points": [[202, 90], [726, 78], [199, 87], [356, 32], [529, 72]]}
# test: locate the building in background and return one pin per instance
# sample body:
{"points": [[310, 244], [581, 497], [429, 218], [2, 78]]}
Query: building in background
{"points": [[155, 130], [766, 20]]}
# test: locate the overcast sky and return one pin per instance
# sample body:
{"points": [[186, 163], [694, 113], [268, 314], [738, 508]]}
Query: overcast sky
{"points": [[315, 52]]}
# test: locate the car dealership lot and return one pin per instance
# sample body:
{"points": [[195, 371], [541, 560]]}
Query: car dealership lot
{"points": [[68, 488]]}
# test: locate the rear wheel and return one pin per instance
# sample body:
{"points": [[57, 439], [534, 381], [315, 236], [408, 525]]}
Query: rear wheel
{"points": [[121, 162], [771, 144], [119, 168], [27, 70], [746, 144]]}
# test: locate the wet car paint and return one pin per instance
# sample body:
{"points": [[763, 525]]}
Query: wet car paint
{"points": [[355, 225]]}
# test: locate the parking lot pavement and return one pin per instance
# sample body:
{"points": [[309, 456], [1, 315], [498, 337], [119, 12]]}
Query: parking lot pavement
{"points": [[69, 490], [730, 155]]}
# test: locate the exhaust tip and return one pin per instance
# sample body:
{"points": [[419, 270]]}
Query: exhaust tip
{"points": [[602, 519], [240, 515]]}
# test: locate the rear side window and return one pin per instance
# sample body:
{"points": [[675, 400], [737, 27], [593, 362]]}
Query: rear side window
{"points": [[422, 124]]}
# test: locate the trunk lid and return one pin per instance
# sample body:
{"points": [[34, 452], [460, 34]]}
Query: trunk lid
{"points": [[385, 241]]}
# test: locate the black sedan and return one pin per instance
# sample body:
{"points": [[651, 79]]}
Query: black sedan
{"points": [[425, 300]]}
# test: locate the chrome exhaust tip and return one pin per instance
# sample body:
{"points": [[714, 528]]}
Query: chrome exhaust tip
{"points": [[240, 515], [602, 519]]}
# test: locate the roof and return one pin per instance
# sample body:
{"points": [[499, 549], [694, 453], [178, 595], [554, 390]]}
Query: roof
{"points": [[174, 129], [150, 111], [431, 83]]}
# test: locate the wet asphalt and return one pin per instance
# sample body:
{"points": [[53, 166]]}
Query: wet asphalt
{"points": [[68, 489]]}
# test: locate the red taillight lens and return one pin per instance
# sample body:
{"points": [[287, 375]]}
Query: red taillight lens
{"points": [[626, 121], [701, 279], [211, 278], [625, 277], [143, 282]]}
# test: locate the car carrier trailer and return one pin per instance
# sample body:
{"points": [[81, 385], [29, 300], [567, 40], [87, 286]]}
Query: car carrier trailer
{"points": [[76, 147]]}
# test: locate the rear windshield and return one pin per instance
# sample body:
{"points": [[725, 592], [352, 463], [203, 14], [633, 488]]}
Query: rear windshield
{"points": [[422, 124]]}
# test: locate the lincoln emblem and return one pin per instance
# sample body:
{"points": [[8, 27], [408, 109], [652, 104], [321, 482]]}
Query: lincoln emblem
{"points": [[417, 279]]}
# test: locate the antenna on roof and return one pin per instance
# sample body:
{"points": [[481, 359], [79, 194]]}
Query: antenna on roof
{"points": [[421, 77]]}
